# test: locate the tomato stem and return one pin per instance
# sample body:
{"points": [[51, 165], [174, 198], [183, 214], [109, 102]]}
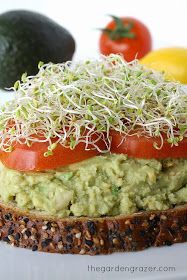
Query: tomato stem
{"points": [[121, 30]]}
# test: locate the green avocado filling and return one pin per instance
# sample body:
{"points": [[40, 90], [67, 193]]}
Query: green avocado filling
{"points": [[104, 185]]}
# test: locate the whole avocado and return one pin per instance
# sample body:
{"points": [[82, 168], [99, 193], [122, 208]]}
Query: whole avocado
{"points": [[25, 39]]}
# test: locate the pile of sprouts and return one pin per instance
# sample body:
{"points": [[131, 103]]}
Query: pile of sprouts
{"points": [[68, 103]]}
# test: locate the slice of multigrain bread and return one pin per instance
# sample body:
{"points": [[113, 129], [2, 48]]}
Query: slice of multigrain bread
{"points": [[86, 235]]}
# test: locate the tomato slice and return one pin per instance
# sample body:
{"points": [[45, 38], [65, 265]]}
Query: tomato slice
{"points": [[24, 158], [140, 146]]}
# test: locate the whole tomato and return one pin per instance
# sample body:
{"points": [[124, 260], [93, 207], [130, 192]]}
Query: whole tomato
{"points": [[126, 36]]}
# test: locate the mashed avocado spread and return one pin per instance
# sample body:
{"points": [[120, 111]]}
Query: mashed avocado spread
{"points": [[103, 185]]}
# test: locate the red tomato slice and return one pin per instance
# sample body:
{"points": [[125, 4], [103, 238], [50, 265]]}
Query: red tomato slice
{"points": [[24, 158], [143, 147]]}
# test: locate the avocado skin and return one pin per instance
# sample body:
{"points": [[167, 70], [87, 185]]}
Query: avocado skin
{"points": [[25, 39]]}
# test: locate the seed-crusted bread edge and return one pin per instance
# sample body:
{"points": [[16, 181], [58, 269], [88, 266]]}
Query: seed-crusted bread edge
{"points": [[87, 235]]}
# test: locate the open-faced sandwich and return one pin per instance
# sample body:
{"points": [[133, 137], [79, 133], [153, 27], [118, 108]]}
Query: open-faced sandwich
{"points": [[94, 159]]}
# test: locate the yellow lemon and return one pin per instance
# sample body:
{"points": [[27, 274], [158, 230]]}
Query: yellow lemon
{"points": [[173, 61]]}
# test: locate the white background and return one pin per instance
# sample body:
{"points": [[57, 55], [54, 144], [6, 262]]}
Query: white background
{"points": [[167, 20]]}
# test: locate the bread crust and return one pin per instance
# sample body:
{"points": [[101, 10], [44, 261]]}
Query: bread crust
{"points": [[86, 235]]}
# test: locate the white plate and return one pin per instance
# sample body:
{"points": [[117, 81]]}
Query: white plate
{"points": [[22, 264]]}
